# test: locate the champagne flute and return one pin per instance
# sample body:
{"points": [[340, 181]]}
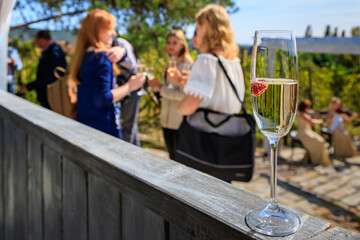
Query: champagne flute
{"points": [[172, 66], [274, 92], [185, 72], [141, 68]]}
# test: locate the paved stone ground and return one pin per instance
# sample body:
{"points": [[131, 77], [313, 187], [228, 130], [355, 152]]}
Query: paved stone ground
{"points": [[331, 194]]}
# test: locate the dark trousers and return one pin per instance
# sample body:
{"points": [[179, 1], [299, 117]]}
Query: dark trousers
{"points": [[130, 114], [171, 137], [11, 87]]}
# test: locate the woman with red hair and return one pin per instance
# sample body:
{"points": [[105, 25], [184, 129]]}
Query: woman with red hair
{"points": [[90, 68]]}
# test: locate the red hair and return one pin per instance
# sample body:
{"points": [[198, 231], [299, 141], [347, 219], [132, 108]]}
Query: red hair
{"points": [[92, 25]]}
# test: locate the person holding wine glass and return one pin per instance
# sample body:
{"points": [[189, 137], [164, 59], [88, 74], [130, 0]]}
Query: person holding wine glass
{"points": [[207, 85], [93, 72], [171, 91]]}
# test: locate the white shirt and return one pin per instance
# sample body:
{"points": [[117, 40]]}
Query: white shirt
{"points": [[208, 81]]}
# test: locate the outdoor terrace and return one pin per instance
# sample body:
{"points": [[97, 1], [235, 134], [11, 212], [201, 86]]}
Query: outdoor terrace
{"points": [[60, 179]]}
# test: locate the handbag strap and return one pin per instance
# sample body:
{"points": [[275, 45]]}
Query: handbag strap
{"points": [[247, 116], [231, 84]]}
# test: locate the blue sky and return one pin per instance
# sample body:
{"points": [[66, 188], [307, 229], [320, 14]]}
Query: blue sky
{"points": [[293, 15]]}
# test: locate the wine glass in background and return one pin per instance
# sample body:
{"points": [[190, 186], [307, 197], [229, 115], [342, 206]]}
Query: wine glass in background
{"points": [[150, 73], [185, 72], [141, 68], [274, 91], [172, 67]]}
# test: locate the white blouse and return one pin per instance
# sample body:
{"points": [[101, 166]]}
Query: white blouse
{"points": [[207, 81]]}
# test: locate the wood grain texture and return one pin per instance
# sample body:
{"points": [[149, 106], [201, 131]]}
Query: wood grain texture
{"points": [[197, 204], [2, 210], [74, 201], [104, 210], [9, 195], [20, 184], [176, 233], [52, 194], [35, 190], [139, 222]]}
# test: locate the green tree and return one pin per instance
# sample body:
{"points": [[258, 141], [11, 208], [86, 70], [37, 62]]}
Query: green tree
{"points": [[355, 32], [144, 22], [308, 32], [335, 34], [328, 31]]}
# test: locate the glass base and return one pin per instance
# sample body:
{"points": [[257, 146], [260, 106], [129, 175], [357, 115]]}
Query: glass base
{"points": [[273, 221]]}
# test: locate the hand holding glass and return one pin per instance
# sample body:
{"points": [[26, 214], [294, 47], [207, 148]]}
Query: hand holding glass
{"points": [[274, 91], [172, 71], [141, 68], [185, 72]]}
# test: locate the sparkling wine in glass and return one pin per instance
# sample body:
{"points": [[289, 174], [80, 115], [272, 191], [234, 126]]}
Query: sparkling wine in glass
{"points": [[185, 72], [274, 92], [141, 68], [172, 66]]}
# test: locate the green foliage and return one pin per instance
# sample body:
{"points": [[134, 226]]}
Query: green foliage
{"points": [[148, 22], [330, 75], [355, 32], [145, 22], [29, 56]]}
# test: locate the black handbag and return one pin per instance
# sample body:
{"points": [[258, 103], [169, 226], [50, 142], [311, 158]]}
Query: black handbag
{"points": [[225, 157]]}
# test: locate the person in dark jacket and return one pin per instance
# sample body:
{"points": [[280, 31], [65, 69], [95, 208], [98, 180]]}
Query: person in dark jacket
{"points": [[52, 56], [129, 104]]}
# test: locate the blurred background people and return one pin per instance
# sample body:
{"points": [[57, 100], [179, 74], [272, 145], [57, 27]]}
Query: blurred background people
{"points": [[312, 141], [52, 56], [14, 63], [171, 91], [91, 68], [342, 140], [207, 85], [129, 104]]}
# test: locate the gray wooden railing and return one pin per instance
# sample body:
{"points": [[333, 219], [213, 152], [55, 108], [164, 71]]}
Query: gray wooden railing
{"points": [[62, 180]]}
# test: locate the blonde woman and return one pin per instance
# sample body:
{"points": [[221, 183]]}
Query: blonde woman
{"points": [[171, 91], [92, 70], [207, 85]]}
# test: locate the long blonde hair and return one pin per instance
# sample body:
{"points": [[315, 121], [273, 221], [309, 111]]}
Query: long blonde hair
{"points": [[184, 54], [219, 33], [97, 20]]}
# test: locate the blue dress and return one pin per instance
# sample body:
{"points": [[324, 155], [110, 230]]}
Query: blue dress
{"points": [[95, 107]]}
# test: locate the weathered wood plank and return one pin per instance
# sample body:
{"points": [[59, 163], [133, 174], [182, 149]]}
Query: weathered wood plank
{"points": [[336, 233], [9, 197], [104, 210], [196, 203], [20, 184], [176, 233], [52, 194], [35, 190], [2, 144], [139, 222], [74, 201]]}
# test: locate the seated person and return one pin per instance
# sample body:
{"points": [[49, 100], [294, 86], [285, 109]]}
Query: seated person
{"points": [[343, 144], [312, 141]]}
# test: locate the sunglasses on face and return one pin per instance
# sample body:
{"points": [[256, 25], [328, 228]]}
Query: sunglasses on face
{"points": [[195, 33]]}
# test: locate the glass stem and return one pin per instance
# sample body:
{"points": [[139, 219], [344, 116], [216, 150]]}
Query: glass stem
{"points": [[273, 174]]}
